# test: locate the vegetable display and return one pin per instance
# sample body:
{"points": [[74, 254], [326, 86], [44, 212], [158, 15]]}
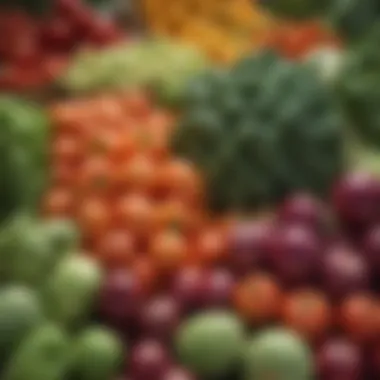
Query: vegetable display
{"points": [[139, 64], [180, 212], [253, 143]]}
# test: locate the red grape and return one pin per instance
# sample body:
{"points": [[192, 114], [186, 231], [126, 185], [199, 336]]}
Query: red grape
{"points": [[218, 286], [371, 248], [343, 272], [247, 242], [178, 373], [339, 359], [159, 317], [356, 199], [188, 288], [149, 360], [295, 253], [121, 297], [303, 209]]}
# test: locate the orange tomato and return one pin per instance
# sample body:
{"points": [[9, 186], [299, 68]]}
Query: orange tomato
{"points": [[178, 178], [211, 245], [358, 317], [146, 272], [115, 248], [58, 202], [168, 250], [134, 211], [137, 104], [93, 216], [173, 213], [64, 173], [138, 174], [308, 312], [67, 148], [257, 298], [95, 175]]}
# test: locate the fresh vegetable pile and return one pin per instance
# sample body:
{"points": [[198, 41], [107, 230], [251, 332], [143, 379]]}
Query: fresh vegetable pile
{"points": [[37, 49], [177, 219]]}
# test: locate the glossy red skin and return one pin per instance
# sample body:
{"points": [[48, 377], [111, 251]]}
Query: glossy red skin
{"points": [[30, 43], [159, 318], [187, 288], [371, 248], [178, 373], [339, 359], [149, 360], [356, 199], [343, 272], [218, 285], [295, 254], [247, 243], [303, 209], [121, 298], [358, 318]]}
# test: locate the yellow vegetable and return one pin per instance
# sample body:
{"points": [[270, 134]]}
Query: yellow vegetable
{"points": [[224, 30]]}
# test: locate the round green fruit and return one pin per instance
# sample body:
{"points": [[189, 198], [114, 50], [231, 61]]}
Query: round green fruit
{"points": [[210, 343], [277, 354]]}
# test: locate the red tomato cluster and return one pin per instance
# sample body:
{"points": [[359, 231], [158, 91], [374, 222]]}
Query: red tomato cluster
{"points": [[34, 50], [259, 299], [113, 174], [294, 40]]}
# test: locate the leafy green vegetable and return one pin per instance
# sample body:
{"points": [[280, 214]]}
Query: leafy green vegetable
{"points": [[264, 129], [353, 18], [358, 86]]}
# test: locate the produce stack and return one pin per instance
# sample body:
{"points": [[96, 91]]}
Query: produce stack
{"points": [[41, 37], [137, 204]]}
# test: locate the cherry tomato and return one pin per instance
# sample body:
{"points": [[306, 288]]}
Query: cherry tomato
{"points": [[57, 35], [173, 213], [138, 174], [258, 298], [115, 248], [137, 104], [134, 211], [58, 202], [210, 246], [358, 317], [168, 250], [67, 148], [63, 173], [308, 312], [179, 179], [95, 175], [93, 216], [145, 270]]}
